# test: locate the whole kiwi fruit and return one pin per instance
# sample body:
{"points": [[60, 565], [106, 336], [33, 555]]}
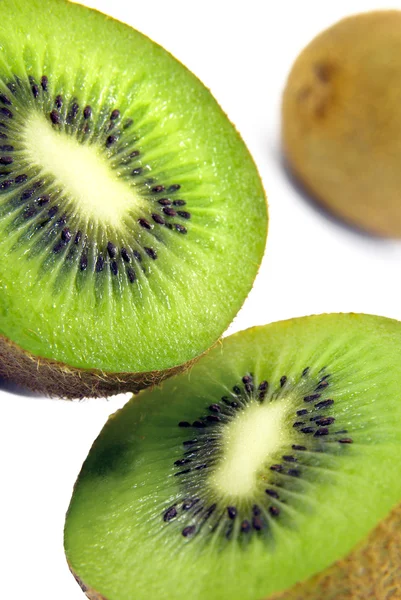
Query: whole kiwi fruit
{"points": [[132, 217], [341, 120]]}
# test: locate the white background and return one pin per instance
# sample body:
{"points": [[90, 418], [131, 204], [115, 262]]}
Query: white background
{"points": [[242, 52]]}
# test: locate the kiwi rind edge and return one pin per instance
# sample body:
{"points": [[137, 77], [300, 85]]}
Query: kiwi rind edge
{"points": [[369, 572], [53, 378]]}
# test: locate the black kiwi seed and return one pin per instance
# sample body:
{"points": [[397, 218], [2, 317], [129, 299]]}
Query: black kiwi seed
{"points": [[150, 252], [289, 458], [301, 412], [321, 431], [213, 419], [298, 447], [232, 512], [324, 403], [125, 255], [170, 212], [35, 90], [27, 194], [87, 112], [111, 140], [21, 178], [346, 441], [158, 219], [157, 189], [283, 381], [179, 203], [144, 223], [6, 184], [131, 275], [184, 472], [184, 424], [99, 264], [5, 100], [274, 511], [83, 263], [187, 531], [6, 112], [305, 372], [272, 493], [324, 421], [215, 408], [44, 82], [182, 461], [55, 117], [307, 429], [312, 397], [171, 513], [111, 249]]}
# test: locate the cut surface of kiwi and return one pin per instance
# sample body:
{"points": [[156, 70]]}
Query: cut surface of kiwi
{"points": [[273, 458], [341, 120], [132, 217]]}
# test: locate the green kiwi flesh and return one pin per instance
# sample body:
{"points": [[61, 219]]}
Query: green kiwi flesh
{"points": [[132, 217], [273, 458]]}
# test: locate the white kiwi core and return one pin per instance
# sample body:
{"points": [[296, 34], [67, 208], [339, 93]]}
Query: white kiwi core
{"points": [[249, 442], [81, 171]]}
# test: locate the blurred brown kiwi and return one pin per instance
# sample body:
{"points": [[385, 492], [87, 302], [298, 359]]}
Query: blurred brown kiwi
{"points": [[341, 120]]}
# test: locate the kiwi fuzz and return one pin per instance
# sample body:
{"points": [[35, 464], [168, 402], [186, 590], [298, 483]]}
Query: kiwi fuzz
{"points": [[378, 555], [56, 379]]}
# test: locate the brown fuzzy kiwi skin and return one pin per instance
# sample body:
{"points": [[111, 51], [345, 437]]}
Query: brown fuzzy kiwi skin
{"points": [[372, 571], [341, 120], [56, 379]]}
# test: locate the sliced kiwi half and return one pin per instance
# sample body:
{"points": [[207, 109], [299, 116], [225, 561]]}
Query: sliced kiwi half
{"points": [[132, 217], [275, 457]]}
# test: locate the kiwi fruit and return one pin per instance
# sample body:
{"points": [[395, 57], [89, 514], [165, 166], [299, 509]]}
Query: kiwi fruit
{"points": [[270, 469], [341, 121], [132, 217]]}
